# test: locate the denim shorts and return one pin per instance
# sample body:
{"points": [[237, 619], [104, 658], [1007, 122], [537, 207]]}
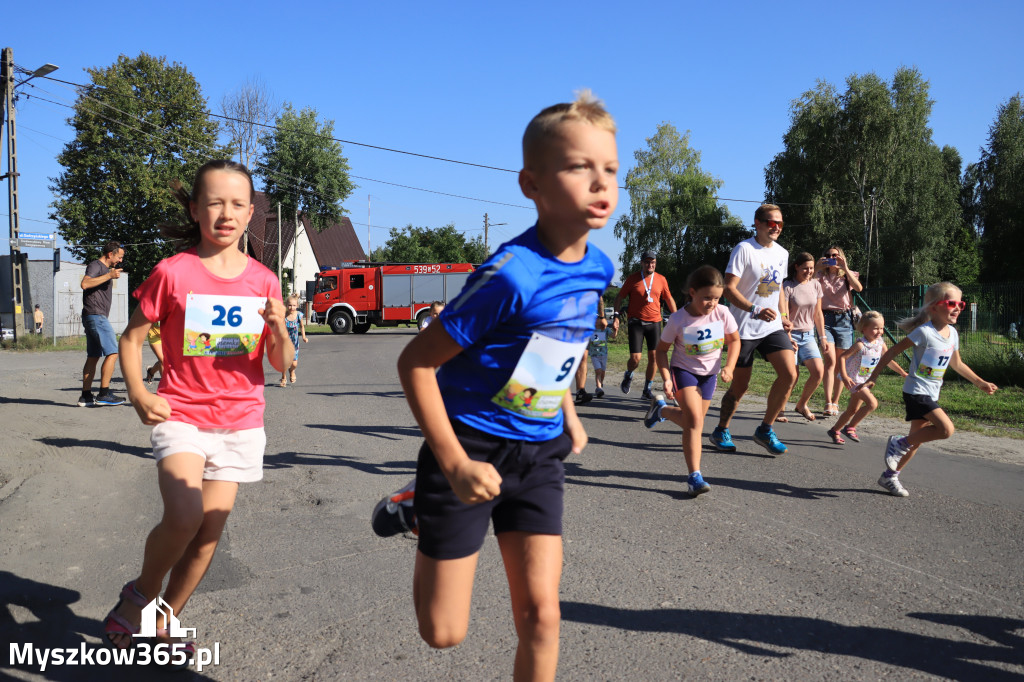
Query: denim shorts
{"points": [[100, 340], [839, 328], [806, 346]]}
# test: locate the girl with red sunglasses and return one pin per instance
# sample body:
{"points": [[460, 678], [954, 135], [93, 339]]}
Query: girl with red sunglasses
{"points": [[936, 346]]}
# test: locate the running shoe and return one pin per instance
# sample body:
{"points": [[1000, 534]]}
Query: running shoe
{"points": [[653, 415], [893, 453], [851, 433], [766, 438], [893, 485], [836, 438], [627, 379], [722, 440], [86, 399], [394, 514], [647, 395], [582, 397], [696, 485], [108, 398], [599, 393]]}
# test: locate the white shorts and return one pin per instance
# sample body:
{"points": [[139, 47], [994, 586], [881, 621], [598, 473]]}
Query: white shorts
{"points": [[600, 363], [231, 454]]}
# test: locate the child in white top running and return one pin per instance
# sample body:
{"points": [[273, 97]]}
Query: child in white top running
{"points": [[936, 347], [696, 333], [855, 365]]}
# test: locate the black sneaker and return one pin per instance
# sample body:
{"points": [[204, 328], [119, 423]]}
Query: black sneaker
{"points": [[86, 399], [394, 514], [582, 397], [108, 398]]}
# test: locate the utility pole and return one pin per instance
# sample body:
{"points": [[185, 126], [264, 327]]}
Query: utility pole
{"points": [[486, 226], [368, 249], [278, 242]]}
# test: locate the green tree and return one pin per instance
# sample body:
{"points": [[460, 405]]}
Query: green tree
{"points": [[303, 169], [430, 245], [140, 124], [859, 169], [674, 210], [1000, 194]]}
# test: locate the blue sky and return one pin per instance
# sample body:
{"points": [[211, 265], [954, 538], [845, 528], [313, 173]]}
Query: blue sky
{"points": [[461, 80]]}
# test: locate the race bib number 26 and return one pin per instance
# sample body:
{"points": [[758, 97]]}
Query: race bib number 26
{"points": [[219, 326]]}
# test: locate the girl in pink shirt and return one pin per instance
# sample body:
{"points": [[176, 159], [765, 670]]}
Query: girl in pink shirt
{"points": [[207, 414], [697, 333]]}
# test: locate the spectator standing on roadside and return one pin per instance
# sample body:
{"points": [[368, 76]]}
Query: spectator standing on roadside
{"points": [[753, 285], [38, 317], [597, 351], [101, 342], [644, 292], [838, 283]]}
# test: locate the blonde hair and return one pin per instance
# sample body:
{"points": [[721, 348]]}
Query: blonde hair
{"points": [[842, 273], [587, 108], [869, 316], [289, 299], [934, 293]]}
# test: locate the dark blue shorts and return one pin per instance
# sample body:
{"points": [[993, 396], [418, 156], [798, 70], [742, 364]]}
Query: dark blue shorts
{"points": [[532, 487], [705, 383], [918, 406]]}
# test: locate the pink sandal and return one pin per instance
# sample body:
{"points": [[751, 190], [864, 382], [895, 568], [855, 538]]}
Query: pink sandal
{"points": [[175, 661], [851, 433], [836, 438], [116, 624]]}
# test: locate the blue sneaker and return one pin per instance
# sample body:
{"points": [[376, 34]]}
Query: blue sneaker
{"points": [[647, 395], [722, 440], [627, 379], [654, 411], [696, 485], [766, 438], [108, 398]]}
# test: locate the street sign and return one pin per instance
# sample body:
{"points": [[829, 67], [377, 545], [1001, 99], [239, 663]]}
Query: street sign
{"points": [[32, 243], [35, 235]]}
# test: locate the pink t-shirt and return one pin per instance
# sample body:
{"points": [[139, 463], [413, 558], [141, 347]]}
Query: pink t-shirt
{"points": [[213, 374], [698, 341], [836, 291], [802, 299]]}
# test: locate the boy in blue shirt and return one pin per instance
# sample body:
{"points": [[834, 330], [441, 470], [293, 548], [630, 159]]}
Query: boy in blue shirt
{"points": [[496, 416]]}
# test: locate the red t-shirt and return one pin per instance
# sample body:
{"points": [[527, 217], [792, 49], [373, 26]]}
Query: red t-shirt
{"points": [[636, 288], [213, 376]]}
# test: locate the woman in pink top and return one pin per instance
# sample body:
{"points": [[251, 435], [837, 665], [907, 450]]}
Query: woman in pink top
{"points": [[802, 291], [838, 284], [697, 333]]}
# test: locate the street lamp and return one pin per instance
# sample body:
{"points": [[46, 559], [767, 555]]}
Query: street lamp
{"points": [[7, 78]]}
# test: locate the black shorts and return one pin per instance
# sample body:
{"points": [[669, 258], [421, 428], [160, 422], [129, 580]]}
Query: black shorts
{"points": [[918, 406], [532, 488], [640, 331], [766, 345]]}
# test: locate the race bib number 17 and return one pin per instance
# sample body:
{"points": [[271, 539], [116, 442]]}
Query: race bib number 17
{"points": [[219, 326], [933, 364]]}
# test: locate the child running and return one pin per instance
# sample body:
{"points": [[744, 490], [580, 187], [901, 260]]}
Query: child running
{"points": [[295, 323], [520, 324], [802, 291], [157, 347], [207, 414], [936, 347], [855, 366], [696, 333]]}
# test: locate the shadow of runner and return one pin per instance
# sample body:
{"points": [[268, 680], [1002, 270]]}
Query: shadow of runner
{"points": [[399, 432], [287, 460], [786, 490], [929, 654], [53, 625], [111, 446]]}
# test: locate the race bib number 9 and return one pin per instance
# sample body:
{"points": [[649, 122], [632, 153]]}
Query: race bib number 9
{"points": [[933, 364], [541, 377], [219, 326], [704, 339]]}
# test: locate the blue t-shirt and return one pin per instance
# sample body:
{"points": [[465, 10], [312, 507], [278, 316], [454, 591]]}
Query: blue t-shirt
{"points": [[523, 320]]}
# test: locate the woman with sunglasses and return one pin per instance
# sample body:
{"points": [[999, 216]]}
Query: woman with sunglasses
{"points": [[936, 347], [838, 283]]}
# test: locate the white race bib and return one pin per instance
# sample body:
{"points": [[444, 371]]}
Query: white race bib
{"points": [[219, 326], [933, 364], [706, 338], [867, 365], [541, 377]]}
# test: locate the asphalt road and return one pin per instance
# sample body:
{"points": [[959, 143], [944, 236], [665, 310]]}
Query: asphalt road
{"points": [[793, 567]]}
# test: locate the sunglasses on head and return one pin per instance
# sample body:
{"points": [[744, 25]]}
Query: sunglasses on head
{"points": [[952, 305]]}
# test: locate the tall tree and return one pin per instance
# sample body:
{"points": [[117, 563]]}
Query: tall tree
{"points": [[140, 124], [247, 111], [430, 245], [674, 210], [859, 169], [1000, 190], [303, 168]]}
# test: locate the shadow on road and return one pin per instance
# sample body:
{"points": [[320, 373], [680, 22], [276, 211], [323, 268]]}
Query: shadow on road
{"points": [[786, 490], [385, 432], [135, 450], [576, 474], [35, 401], [746, 631], [288, 460]]}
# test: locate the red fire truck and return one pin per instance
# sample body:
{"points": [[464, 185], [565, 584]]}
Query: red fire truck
{"points": [[361, 293]]}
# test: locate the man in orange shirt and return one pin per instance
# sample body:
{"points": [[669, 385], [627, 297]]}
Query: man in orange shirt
{"points": [[644, 291]]}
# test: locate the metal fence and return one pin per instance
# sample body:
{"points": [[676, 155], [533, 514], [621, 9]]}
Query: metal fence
{"points": [[991, 327]]}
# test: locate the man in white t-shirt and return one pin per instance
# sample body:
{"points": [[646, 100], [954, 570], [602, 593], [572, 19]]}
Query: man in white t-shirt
{"points": [[753, 286]]}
